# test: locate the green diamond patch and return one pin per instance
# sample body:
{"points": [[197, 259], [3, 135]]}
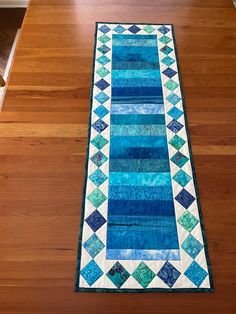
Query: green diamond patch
{"points": [[182, 177], [99, 141], [188, 221], [102, 72], [177, 142], [96, 198], [165, 39], [104, 39], [149, 29], [143, 274], [171, 85]]}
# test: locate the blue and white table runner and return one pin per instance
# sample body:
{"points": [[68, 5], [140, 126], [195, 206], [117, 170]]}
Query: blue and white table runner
{"points": [[141, 225]]}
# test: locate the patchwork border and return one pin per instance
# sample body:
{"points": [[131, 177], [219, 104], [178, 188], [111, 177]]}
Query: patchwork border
{"points": [[119, 276]]}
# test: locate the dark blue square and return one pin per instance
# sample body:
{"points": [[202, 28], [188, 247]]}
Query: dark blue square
{"points": [[166, 49], [174, 126], [163, 29], [103, 49], [104, 29], [99, 125], [179, 159], [185, 198], [102, 84], [134, 29], [169, 274], [169, 72], [95, 220]]}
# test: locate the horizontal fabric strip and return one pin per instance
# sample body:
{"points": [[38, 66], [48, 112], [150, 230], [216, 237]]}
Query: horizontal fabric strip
{"points": [[137, 82], [141, 222], [137, 100], [140, 179], [132, 254], [139, 165], [136, 74], [144, 57], [141, 130], [135, 119], [136, 141], [139, 193], [117, 152], [124, 51], [135, 65], [136, 91], [141, 208], [137, 109], [160, 238], [134, 42], [130, 36]]}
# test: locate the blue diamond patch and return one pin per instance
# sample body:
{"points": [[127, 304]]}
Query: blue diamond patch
{"points": [[101, 97], [102, 84], [91, 272], [173, 98], [134, 29], [163, 29], [95, 220], [175, 126], [99, 125], [93, 245], [192, 246], [185, 198], [175, 113], [169, 72], [196, 273], [98, 177], [169, 274], [101, 111], [104, 29]]}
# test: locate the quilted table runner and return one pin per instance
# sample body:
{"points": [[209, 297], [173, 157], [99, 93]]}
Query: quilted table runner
{"points": [[141, 227]]}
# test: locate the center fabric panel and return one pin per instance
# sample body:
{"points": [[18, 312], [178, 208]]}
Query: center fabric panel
{"points": [[141, 220]]}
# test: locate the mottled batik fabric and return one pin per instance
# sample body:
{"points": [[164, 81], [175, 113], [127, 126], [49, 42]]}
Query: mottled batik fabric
{"points": [[141, 227]]}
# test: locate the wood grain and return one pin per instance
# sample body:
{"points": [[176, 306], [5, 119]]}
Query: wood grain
{"points": [[43, 134]]}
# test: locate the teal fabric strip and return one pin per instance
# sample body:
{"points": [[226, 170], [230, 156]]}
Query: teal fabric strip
{"points": [[139, 165], [137, 82], [140, 193], [134, 42], [137, 141], [135, 74], [141, 130], [138, 65], [137, 109], [135, 119], [140, 179]]}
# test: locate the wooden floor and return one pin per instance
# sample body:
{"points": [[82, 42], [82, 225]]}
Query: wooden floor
{"points": [[43, 134]]}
